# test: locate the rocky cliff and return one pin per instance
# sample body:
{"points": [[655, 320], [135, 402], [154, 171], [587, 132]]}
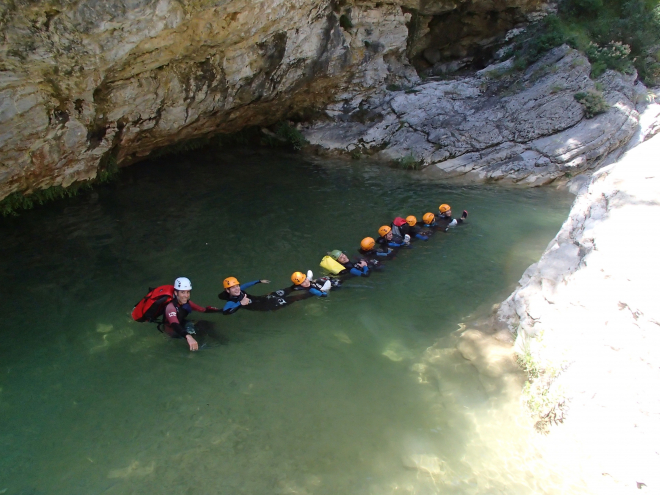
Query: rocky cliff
{"points": [[495, 125], [587, 322], [86, 83]]}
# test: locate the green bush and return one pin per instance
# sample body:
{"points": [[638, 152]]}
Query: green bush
{"points": [[614, 56], [592, 101], [290, 135], [615, 34], [15, 202]]}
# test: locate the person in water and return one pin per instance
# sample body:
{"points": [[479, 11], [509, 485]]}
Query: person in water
{"points": [[387, 238], [308, 286], [359, 269], [237, 298], [410, 228], [444, 220], [428, 221], [373, 252], [178, 309]]}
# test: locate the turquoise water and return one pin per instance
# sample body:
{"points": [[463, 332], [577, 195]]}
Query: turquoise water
{"points": [[321, 397]]}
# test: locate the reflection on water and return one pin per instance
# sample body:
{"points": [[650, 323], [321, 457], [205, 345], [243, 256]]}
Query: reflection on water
{"points": [[362, 392]]}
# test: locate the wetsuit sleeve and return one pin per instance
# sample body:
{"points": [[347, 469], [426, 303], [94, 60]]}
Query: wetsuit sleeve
{"points": [[247, 285], [172, 320], [231, 307], [317, 292], [422, 237], [360, 272], [196, 307], [395, 244], [171, 316]]}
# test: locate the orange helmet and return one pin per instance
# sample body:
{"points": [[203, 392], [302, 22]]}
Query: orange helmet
{"points": [[384, 230], [229, 282], [428, 218], [298, 278], [444, 208], [368, 243], [411, 220]]}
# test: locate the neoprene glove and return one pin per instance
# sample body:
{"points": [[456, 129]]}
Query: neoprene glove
{"points": [[212, 309], [465, 214]]}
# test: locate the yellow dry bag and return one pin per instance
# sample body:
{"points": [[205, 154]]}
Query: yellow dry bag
{"points": [[331, 265]]}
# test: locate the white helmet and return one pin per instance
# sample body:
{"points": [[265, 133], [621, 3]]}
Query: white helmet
{"points": [[182, 283]]}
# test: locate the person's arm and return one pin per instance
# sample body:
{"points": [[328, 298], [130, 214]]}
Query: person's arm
{"points": [[172, 320], [200, 309], [231, 307], [247, 285], [396, 244], [362, 271], [317, 292]]}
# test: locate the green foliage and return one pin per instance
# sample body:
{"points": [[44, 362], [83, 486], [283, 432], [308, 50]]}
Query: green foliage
{"points": [[408, 162], [529, 365], [549, 33], [615, 34], [393, 87], [592, 101], [356, 154], [290, 135], [614, 56], [15, 202], [108, 169]]}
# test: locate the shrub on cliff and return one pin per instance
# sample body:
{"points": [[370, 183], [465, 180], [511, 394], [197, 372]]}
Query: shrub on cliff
{"points": [[593, 102]]}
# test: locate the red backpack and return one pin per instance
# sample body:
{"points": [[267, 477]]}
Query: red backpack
{"points": [[153, 304]]}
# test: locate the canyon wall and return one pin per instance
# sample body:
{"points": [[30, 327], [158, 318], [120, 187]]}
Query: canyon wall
{"points": [[87, 84]]}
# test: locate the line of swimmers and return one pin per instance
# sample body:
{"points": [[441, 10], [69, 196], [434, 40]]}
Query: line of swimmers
{"points": [[393, 237]]}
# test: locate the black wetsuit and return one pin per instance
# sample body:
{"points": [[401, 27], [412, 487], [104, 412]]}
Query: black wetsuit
{"points": [[298, 292], [443, 222], [351, 269], [395, 242], [269, 302], [378, 252], [414, 232]]}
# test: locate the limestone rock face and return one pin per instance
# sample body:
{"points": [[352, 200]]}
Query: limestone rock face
{"points": [[589, 310], [532, 133], [80, 80]]}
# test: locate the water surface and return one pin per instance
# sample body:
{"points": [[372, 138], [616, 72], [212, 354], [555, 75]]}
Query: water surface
{"points": [[322, 397]]}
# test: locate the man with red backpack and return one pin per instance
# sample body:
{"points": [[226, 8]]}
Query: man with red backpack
{"points": [[178, 309]]}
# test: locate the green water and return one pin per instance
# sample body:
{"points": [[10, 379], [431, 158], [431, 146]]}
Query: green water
{"points": [[322, 397]]}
